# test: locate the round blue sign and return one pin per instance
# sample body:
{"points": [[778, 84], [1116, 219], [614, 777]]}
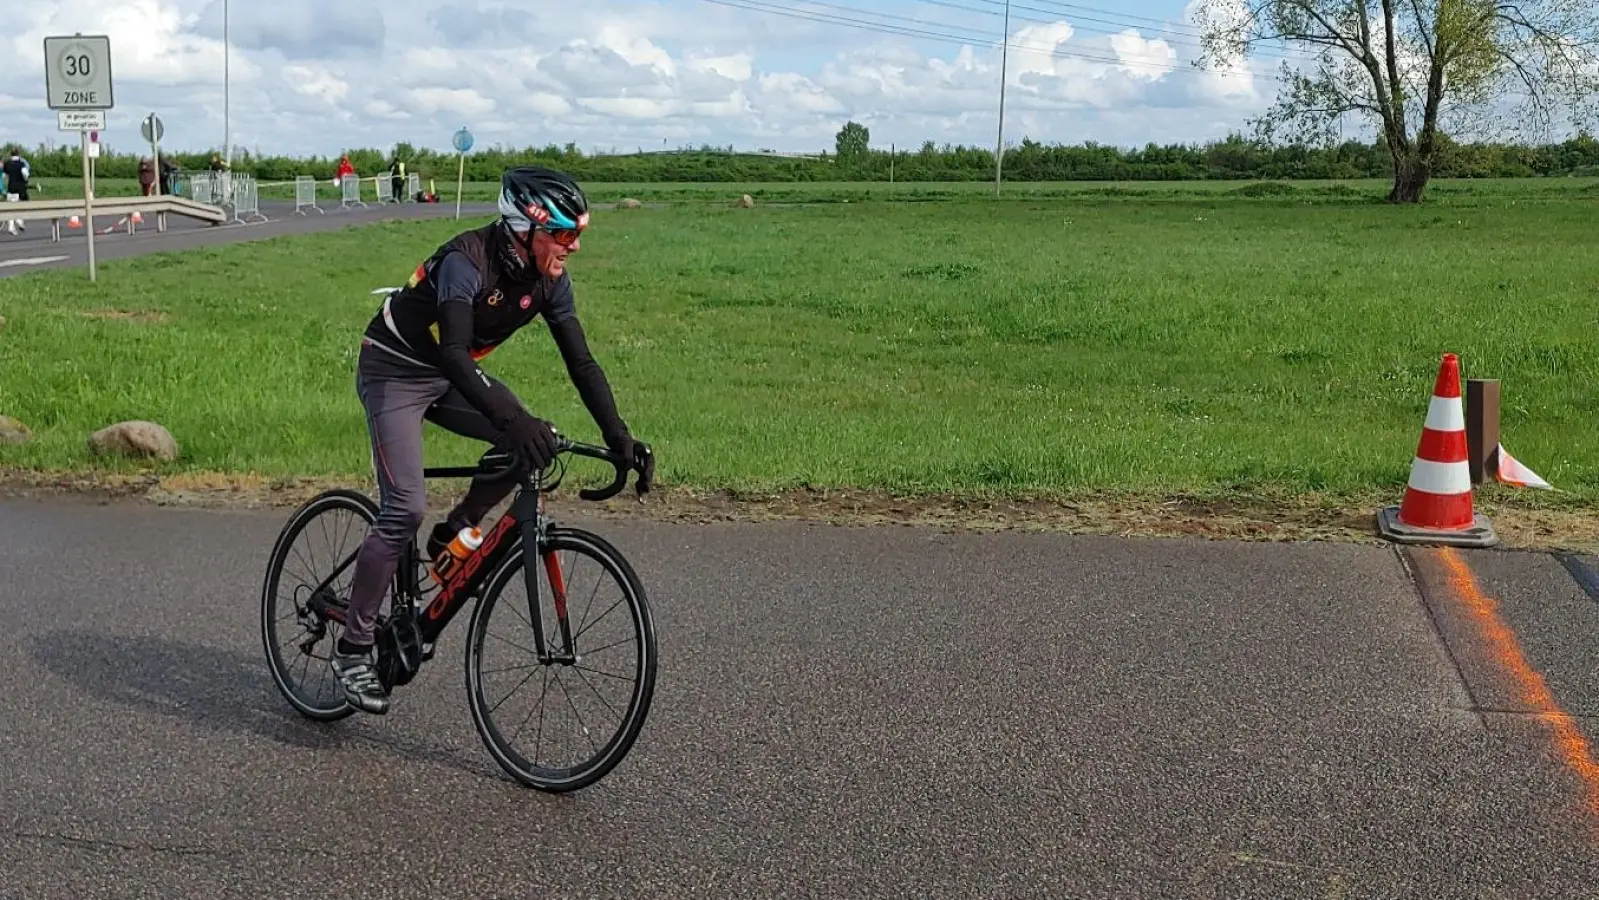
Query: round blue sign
{"points": [[462, 141]]}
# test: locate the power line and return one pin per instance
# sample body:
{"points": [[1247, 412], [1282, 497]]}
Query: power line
{"points": [[1074, 19], [972, 37]]}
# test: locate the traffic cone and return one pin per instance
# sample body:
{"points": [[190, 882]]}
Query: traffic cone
{"points": [[74, 223], [1437, 506]]}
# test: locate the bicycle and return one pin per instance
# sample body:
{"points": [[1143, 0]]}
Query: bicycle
{"points": [[408, 633]]}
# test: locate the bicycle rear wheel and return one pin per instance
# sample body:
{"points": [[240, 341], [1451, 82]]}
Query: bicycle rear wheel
{"points": [[608, 660], [293, 626]]}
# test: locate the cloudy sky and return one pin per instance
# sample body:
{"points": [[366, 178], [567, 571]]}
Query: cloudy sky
{"points": [[310, 76]]}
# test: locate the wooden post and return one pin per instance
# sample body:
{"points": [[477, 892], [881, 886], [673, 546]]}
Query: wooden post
{"points": [[1482, 428]]}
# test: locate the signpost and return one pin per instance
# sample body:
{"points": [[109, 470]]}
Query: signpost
{"points": [[462, 142], [77, 82], [152, 130]]}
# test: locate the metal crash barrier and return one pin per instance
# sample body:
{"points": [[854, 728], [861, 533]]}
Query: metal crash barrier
{"points": [[128, 208]]}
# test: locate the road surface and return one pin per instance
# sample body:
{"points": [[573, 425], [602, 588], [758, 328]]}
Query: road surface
{"points": [[842, 712], [33, 250]]}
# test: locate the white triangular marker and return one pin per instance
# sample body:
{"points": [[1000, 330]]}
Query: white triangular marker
{"points": [[1511, 471]]}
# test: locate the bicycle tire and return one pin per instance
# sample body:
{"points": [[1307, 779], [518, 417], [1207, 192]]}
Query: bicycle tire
{"points": [[621, 742], [327, 501]]}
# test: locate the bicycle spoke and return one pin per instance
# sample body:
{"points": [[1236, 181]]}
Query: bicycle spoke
{"points": [[513, 690], [515, 644], [587, 732], [293, 579], [627, 640], [582, 668], [511, 669], [608, 706]]}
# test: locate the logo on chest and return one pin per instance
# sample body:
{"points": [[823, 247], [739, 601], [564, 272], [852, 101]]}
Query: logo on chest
{"points": [[497, 296]]}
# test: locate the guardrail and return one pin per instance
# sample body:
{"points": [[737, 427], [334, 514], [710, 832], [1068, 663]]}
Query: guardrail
{"points": [[54, 211]]}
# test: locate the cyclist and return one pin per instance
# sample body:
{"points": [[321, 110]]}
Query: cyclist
{"points": [[419, 360]]}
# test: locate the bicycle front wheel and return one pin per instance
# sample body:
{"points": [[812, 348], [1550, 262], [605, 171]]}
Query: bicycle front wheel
{"points": [[589, 695]]}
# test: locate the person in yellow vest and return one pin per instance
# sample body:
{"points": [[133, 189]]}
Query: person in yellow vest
{"points": [[397, 179]]}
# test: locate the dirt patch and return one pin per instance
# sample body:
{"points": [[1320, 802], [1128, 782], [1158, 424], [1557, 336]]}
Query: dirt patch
{"points": [[144, 316], [1523, 520]]}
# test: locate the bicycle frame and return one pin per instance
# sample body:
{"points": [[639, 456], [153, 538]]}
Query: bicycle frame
{"points": [[522, 525]]}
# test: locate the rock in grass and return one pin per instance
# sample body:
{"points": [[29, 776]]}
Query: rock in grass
{"points": [[135, 438], [13, 431], [746, 202], [628, 203]]}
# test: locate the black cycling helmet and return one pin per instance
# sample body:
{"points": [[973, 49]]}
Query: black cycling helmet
{"points": [[537, 197]]}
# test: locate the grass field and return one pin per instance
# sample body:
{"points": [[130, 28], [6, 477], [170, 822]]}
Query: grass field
{"points": [[1441, 191], [1223, 346]]}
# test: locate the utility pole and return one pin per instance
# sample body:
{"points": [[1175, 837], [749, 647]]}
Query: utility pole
{"points": [[1004, 58], [227, 93]]}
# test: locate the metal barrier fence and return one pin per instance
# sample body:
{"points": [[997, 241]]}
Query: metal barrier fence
{"points": [[239, 194], [202, 187], [305, 194], [351, 186], [383, 188], [246, 199]]}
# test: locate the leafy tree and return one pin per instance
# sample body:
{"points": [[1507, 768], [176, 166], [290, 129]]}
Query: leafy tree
{"points": [[853, 142], [1405, 64]]}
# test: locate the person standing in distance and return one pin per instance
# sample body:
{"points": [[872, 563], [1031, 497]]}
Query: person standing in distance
{"points": [[16, 173], [419, 362]]}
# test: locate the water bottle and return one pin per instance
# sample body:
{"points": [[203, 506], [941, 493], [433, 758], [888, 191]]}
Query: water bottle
{"points": [[464, 544]]}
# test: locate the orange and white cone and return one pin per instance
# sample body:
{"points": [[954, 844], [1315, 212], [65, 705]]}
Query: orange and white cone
{"points": [[74, 222], [1437, 506]]}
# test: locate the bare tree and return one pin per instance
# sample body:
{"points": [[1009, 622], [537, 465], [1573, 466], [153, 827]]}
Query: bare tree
{"points": [[1406, 65]]}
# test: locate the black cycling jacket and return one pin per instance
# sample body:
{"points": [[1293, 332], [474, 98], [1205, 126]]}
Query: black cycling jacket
{"points": [[458, 306]]}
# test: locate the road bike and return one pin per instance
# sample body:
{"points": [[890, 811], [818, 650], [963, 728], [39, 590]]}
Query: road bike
{"points": [[421, 606]]}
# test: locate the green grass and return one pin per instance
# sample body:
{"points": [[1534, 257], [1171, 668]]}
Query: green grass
{"points": [[1046, 345], [1441, 191]]}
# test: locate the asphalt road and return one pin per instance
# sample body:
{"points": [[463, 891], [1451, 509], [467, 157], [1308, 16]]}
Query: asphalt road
{"points": [[33, 250], [888, 712]]}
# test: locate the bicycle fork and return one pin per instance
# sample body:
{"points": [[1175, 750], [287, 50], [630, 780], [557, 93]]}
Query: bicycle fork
{"points": [[532, 539]]}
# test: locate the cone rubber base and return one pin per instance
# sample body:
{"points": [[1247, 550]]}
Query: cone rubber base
{"points": [[1480, 533]]}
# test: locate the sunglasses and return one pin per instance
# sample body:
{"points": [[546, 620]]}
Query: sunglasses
{"points": [[566, 237]]}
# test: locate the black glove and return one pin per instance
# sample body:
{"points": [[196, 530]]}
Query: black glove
{"points": [[643, 463], [532, 439], [639, 457]]}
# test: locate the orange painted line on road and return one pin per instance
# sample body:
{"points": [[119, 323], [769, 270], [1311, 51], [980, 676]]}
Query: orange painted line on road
{"points": [[1569, 739]]}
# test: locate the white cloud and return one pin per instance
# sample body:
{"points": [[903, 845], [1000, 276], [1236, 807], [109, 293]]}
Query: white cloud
{"points": [[316, 81], [313, 77]]}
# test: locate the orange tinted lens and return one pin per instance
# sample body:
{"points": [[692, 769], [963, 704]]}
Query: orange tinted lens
{"points": [[566, 237]]}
